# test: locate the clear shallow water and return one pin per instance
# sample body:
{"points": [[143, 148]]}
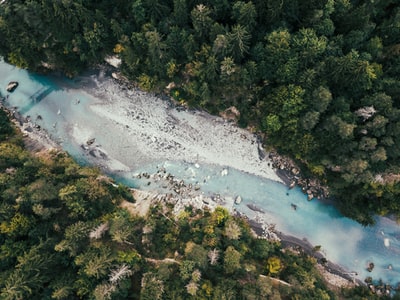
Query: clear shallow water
{"points": [[343, 241]]}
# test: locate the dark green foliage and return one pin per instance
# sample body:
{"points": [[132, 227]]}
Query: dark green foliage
{"points": [[50, 208], [360, 293], [5, 125], [66, 35], [300, 72], [64, 236]]}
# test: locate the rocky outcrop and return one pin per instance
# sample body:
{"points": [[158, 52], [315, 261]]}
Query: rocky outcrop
{"points": [[35, 139], [290, 173], [90, 141], [181, 194], [238, 200], [380, 288], [12, 85], [255, 208]]}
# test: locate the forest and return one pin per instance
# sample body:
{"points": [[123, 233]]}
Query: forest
{"points": [[319, 80], [64, 235]]}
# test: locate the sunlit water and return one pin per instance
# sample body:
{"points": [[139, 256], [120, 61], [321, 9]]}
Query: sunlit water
{"points": [[343, 241]]}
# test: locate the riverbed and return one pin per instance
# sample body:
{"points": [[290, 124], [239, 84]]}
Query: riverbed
{"points": [[128, 132]]}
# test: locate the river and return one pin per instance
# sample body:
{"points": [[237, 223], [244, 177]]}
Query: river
{"points": [[133, 132]]}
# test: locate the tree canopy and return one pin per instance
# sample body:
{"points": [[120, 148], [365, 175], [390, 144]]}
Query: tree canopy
{"points": [[64, 235], [320, 79]]}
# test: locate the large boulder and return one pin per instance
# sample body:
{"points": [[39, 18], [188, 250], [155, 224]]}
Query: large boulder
{"points": [[12, 85], [238, 200]]}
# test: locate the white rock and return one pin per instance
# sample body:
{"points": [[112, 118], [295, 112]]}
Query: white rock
{"points": [[386, 242], [238, 200], [113, 61]]}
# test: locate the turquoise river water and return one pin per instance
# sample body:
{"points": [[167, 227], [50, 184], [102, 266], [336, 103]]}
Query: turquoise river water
{"points": [[343, 241]]}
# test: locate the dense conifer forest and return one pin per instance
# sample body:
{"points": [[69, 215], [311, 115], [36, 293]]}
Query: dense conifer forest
{"points": [[319, 79], [64, 235]]}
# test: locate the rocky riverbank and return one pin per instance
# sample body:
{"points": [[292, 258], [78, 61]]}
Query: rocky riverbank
{"points": [[141, 127], [180, 195], [283, 168], [35, 138], [334, 275], [291, 175]]}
